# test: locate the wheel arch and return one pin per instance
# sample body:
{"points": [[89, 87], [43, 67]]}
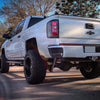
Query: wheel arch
{"points": [[3, 51], [31, 44]]}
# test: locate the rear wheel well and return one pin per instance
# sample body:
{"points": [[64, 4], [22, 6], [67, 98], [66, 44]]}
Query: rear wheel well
{"points": [[3, 51], [31, 44]]}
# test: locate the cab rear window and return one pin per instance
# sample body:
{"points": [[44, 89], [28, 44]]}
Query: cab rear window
{"points": [[34, 21]]}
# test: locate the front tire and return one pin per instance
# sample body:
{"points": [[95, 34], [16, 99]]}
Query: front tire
{"points": [[34, 68], [90, 70], [4, 66]]}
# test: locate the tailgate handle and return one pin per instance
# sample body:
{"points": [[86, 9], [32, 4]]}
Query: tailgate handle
{"points": [[89, 26]]}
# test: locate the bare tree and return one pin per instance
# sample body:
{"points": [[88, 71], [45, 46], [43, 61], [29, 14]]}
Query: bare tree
{"points": [[44, 6], [17, 10], [3, 29]]}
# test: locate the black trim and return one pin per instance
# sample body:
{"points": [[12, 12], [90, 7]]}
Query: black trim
{"points": [[89, 26], [98, 49], [66, 44], [34, 21], [56, 52]]}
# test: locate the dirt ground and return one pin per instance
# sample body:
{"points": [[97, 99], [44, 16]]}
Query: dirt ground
{"points": [[58, 85]]}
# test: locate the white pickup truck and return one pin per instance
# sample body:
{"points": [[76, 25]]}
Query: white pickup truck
{"points": [[56, 41]]}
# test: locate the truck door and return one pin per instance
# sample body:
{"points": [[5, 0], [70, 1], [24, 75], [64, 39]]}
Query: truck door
{"points": [[14, 44]]}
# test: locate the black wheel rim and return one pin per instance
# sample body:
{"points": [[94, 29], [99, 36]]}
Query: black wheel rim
{"points": [[89, 68]]}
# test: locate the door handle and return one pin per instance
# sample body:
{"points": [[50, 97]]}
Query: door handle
{"points": [[19, 36], [11, 40]]}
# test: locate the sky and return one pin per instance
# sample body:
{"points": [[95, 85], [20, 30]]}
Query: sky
{"points": [[1, 3], [2, 19]]}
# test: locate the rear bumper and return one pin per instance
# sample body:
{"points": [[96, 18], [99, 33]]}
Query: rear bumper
{"points": [[76, 51]]}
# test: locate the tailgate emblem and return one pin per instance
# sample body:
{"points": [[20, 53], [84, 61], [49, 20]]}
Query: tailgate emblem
{"points": [[90, 33]]}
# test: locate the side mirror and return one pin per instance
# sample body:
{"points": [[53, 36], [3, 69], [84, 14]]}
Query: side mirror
{"points": [[6, 36]]}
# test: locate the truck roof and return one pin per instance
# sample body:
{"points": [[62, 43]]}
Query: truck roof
{"points": [[38, 16]]}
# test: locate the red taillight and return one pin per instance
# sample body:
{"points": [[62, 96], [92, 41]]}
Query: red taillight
{"points": [[53, 29], [54, 23]]}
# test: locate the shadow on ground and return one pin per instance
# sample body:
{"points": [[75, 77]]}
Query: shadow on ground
{"points": [[58, 85]]}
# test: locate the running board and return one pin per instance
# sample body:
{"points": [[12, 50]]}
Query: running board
{"points": [[15, 62]]}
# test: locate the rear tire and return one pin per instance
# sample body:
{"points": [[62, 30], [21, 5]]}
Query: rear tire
{"points": [[4, 66], [90, 70], [34, 68]]}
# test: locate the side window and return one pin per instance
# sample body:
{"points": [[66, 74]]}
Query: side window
{"points": [[17, 29], [13, 33], [20, 27], [34, 21]]}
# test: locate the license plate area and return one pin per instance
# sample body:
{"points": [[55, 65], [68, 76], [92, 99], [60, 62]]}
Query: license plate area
{"points": [[90, 49]]}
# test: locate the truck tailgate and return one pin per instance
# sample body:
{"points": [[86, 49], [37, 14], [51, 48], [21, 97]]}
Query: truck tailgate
{"points": [[78, 27]]}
